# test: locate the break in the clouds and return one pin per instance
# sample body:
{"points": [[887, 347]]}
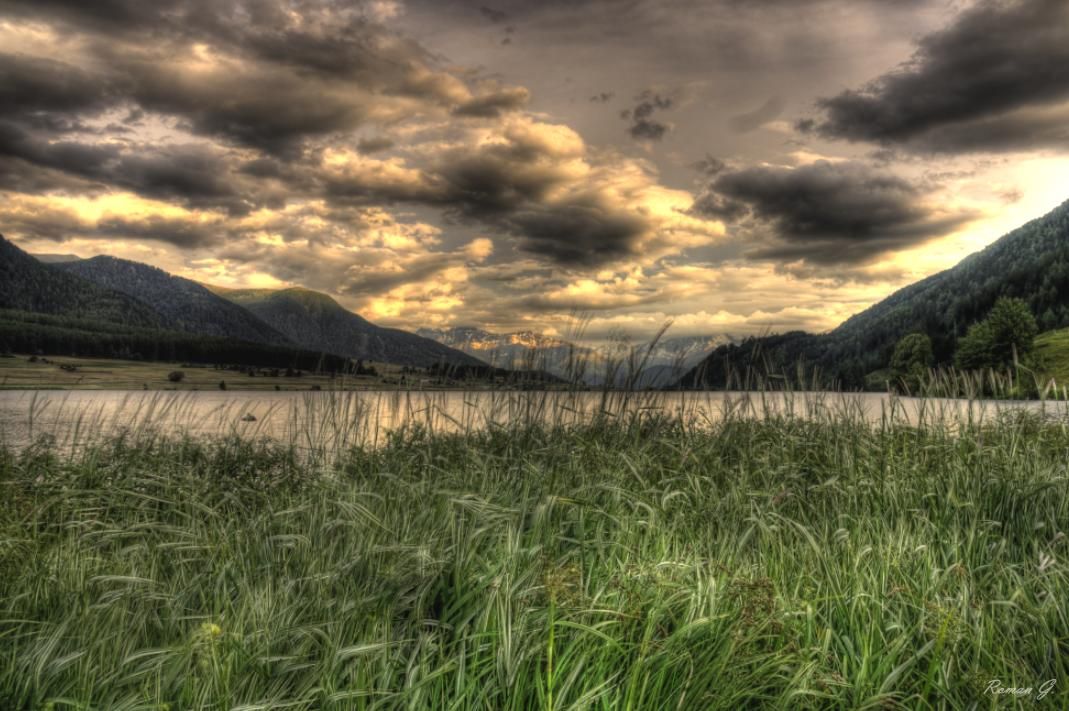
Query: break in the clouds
{"points": [[637, 160], [996, 79]]}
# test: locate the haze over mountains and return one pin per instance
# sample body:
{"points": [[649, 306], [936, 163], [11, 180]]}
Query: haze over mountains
{"points": [[661, 362]]}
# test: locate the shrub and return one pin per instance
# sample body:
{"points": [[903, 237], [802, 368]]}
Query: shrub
{"points": [[176, 376], [911, 360], [999, 340]]}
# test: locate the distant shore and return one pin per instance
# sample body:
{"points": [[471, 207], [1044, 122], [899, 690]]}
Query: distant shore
{"points": [[29, 372]]}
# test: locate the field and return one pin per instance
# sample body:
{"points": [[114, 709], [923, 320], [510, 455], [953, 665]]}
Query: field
{"points": [[620, 564], [19, 372], [1052, 355]]}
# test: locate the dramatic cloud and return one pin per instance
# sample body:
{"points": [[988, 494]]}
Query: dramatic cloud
{"points": [[538, 183], [495, 103], [830, 213], [268, 75], [643, 126], [395, 155], [994, 80]]}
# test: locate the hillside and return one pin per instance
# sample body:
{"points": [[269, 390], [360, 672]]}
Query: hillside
{"points": [[314, 320], [1030, 263], [1051, 356], [185, 305], [28, 285], [26, 332]]}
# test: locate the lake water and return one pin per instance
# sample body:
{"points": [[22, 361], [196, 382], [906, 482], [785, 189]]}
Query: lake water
{"points": [[325, 421]]}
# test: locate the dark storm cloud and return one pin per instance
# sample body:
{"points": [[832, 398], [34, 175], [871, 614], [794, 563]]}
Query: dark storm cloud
{"points": [[709, 166], [643, 126], [374, 145], [716, 206], [190, 174], [509, 186], [273, 84], [193, 175], [180, 233], [996, 79], [495, 103], [580, 232], [87, 161], [58, 225], [35, 89], [829, 213]]}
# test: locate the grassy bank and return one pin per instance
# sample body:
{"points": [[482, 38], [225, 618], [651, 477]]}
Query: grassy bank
{"points": [[24, 372], [765, 563]]}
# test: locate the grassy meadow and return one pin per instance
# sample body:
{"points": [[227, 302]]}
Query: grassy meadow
{"points": [[624, 563], [21, 372]]}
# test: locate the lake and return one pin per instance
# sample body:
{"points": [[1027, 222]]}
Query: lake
{"points": [[326, 421]]}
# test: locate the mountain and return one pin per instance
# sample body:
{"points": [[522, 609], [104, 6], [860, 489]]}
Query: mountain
{"points": [[1029, 263], [315, 320], [28, 285], [520, 350], [685, 351], [665, 361], [185, 305]]}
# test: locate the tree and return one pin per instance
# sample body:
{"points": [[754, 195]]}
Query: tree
{"points": [[1013, 328], [912, 357], [998, 341], [176, 376], [975, 348]]}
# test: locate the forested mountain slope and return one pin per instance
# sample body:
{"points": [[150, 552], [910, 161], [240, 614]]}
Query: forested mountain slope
{"points": [[184, 304], [1030, 263], [28, 285], [315, 320]]}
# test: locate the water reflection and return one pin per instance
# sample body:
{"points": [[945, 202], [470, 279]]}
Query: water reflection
{"points": [[326, 421]]}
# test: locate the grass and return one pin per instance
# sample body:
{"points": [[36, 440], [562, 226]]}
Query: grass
{"points": [[623, 563], [20, 373], [1052, 354]]}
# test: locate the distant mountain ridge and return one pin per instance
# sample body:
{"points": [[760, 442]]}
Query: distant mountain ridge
{"points": [[315, 320], [48, 310], [520, 350], [1029, 263], [28, 285], [184, 304], [90, 293], [665, 361]]}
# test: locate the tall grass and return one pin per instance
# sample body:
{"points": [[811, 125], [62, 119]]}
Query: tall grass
{"points": [[632, 560]]}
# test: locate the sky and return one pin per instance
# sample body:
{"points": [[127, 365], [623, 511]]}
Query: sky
{"points": [[729, 166]]}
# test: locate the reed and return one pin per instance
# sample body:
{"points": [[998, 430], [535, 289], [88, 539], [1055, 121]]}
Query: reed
{"points": [[529, 551]]}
